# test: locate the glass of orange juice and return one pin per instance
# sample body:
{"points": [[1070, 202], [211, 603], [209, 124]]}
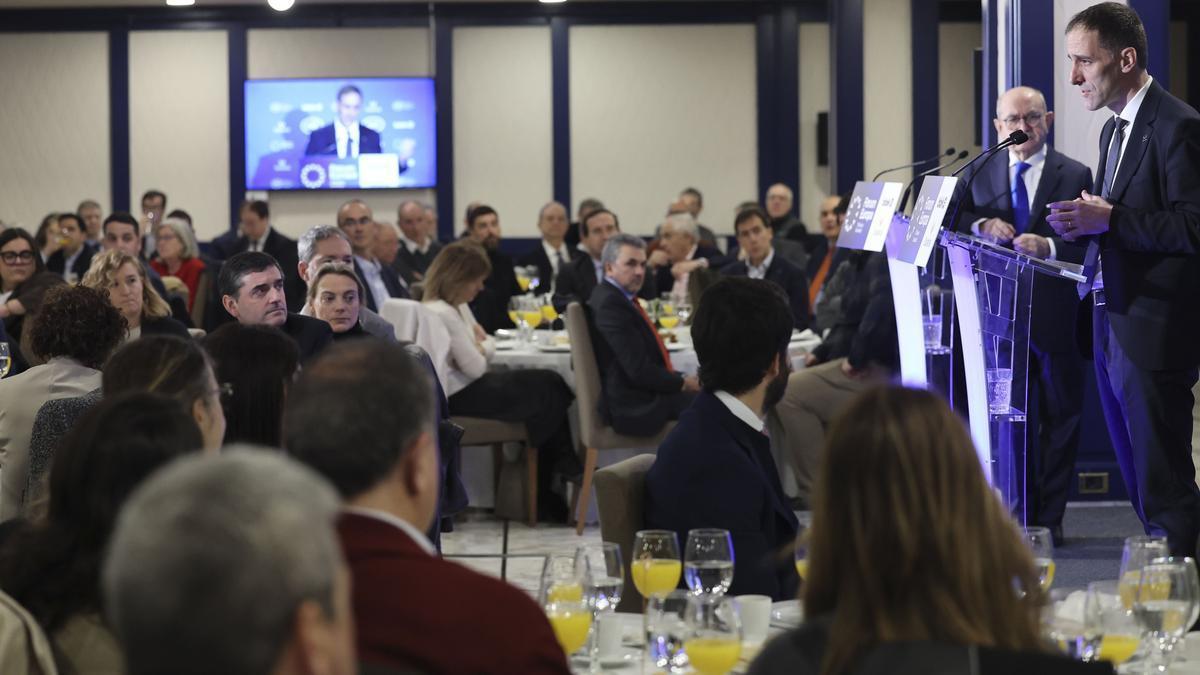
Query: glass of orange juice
{"points": [[563, 595], [1110, 630], [714, 636], [655, 565], [805, 519]]}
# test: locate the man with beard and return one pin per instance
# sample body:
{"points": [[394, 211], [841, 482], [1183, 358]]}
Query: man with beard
{"points": [[715, 469], [491, 305]]}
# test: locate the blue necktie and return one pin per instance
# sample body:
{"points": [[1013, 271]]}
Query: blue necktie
{"points": [[1020, 199]]}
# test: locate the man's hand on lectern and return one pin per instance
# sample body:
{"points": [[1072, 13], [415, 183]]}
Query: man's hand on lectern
{"points": [[996, 230], [1032, 244]]}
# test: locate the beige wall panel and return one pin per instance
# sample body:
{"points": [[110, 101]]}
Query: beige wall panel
{"points": [[55, 133], [1178, 73], [957, 43], [815, 90], [655, 109], [503, 124], [887, 87], [179, 123]]}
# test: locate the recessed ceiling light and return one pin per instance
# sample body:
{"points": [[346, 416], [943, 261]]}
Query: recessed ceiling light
{"points": [[552, 2], [281, 5], [180, 3]]}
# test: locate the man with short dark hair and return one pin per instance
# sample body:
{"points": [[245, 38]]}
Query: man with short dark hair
{"points": [[345, 137], [71, 261], [576, 281], [380, 281], [1141, 225], [642, 391], [756, 239], [154, 206], [491, 305], [825, 256], [586, 206], [412, 608], [121, 232], [715, 469], [251, 285]]}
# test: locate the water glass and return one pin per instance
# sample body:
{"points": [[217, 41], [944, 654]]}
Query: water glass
{"points": [[708, 561], [1110, 630], [1042, 547], [655, 566], [801, 553], [1139, 551], [933, 333], [1166, 606], [604, 572], [667, 630], [714, 636], [5, 359], [999, 384]]}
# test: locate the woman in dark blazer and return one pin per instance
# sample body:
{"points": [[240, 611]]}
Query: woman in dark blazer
{"points": [[24, 281], [123, 277]]}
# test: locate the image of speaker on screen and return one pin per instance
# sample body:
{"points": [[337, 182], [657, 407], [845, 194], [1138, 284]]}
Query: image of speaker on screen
{"points": [[345, 137]]}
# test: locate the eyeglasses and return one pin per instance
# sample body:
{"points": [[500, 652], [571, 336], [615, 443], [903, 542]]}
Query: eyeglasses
{"points": [[1032, 119], [224, 390], [11, 257]]}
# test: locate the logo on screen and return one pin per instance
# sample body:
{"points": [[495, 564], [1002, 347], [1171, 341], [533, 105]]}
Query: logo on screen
{"points": [[312, 176]]}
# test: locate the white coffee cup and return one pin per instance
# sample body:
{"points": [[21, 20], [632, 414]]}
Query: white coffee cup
{"points": [[756, 617], [608, 635]]}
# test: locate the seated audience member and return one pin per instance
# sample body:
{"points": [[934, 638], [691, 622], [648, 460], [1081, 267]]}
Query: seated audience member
{"points": [[552, 254], [256, 365], [254, 233], [859, 351], [252, 292], [52, 566], [586, 206], [381, 281], [491, 304], [270, 592], [159, 364], [715, 468], [46, 237], [641, 389], [912, 559], [779, 208], [383, 459], [74, 334], [72, 258], [429, 223], [418, 247], [335, 296], [179, 256], [325, 244], [680, 253], [826, 256], [693, 203], [577, 280], [762, 262], [92, 215], [123, 278], [386, 250], [24, 281], [154, 206], [536, 397], [121, 232]]}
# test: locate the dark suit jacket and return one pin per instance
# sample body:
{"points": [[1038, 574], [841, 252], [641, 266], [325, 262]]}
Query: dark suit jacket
{"points": [[408, 262], [414, 610], [281, 247], [1055, 301], [390, 279], [538, 258], [312, 335], [1149, 254], [860, 314], [713, 470], [165, 326], [58, 261], [788, 277], [577, 280], [665, 281], [637, 387], [323, 141], [490, 307]]}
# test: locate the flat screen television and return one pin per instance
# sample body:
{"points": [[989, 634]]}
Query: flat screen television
{"points": [[340, 133]]}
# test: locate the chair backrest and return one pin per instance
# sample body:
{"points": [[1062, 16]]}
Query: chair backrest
{"points": [[417, 323], [587, 373], [200, 302], [620, 494]]}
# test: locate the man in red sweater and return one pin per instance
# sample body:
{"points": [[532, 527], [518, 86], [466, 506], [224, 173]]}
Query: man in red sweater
{"points": [[363, 416]]}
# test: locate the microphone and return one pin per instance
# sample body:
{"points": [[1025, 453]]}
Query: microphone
{"points": [[1015, 138], [937, 169], [947, 153]]}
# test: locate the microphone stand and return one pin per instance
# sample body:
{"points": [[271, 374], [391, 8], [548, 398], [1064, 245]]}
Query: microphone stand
{"points": [[947, 153], [937, 169], [1015, 138]]}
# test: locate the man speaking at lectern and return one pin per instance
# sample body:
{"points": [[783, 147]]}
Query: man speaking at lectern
{"points": [[345, 137], [1141, 225], [1007, 204]]}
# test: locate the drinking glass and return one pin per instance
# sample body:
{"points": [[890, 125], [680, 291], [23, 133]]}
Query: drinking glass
{"points": [[708, 561], [602, 567], [714, 637], [667, 629], [1139, 551], [523, 279], [1042, 546], [684, 310], [517, 316], [531, 311], [549, 313], [1110, 631], [999, 384], [654, 564], [668, 317], [5, 359], [805, 519], [1167, 597], [567, 605]]}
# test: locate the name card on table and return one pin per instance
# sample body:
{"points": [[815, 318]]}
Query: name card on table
{"points": [[869, 215], [921, 232]]}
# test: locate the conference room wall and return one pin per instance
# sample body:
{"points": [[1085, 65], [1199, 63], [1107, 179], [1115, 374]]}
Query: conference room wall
{"points": [[655, 109], [887, 87], [56, 124], [334, 52], [814, 98], [503, 126], [1076, 129], [957, 43], [1179, 60], [179, 123]]}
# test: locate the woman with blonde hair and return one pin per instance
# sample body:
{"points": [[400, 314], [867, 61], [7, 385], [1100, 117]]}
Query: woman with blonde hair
{"points": [[536, 397], [179, 256], [124, 279], [914, 565]]}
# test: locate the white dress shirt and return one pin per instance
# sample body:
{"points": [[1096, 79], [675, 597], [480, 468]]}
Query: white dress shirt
{"points": [[258, 244], [398, 523], [760, 271], [740, 410], [598, 266], [1129, 114], [373, 278], [343, 134], [414, 247], [553, 254]]}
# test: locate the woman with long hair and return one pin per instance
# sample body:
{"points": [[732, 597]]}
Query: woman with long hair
{"points": [[123, 278], [908, 544]]}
